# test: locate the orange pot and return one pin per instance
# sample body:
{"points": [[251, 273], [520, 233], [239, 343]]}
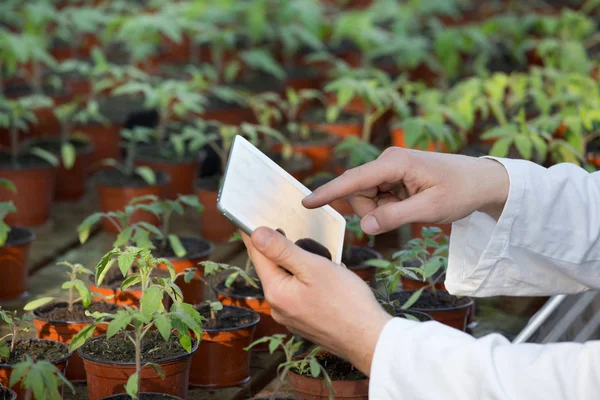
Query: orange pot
{"points": [[320, 152], [355, 105], [412, 284], [70, 183], [221, 360], [267, 326], [233, 115], [175, 53], [594, 159], [33, 199], [105, 378], [397, 136], [342, 207], [113, 198], [64, 331], [105, 140], [6, 371], [130, 297], [47, 123], [14, 262], [214, 226], [455, 317], [183, 175], [339, 129], [417, 227]]}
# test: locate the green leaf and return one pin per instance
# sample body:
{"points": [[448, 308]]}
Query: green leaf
{"points": [[315, 367], [147, 174], [19, 370], [132, 385], [32, 305], [68, 154], [377, 263], [130, 281], [163, 324], [123, 237], [151, 301], [5, 183], [45, 155], [84, 293], [501, 147], [524, 146], [157, 368], [80, 338], [177, 246], [85, 227], [120, 322], [126, 261], [412, 299], [186, 343], [273, 346]]}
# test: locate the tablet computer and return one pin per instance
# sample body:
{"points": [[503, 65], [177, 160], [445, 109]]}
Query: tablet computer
{"points": [[257, 192]]}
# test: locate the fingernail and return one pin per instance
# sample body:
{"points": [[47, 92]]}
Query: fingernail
{"points": [[370, 225], [262, 238]]}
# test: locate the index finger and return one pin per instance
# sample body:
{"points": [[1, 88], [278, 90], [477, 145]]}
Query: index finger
{"points": [[355, 180]]}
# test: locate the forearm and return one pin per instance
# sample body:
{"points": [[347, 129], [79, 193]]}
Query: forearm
{"points": [[432, 361]]}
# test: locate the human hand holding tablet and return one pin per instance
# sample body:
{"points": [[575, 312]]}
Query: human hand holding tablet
{"points": [[257, 192]]}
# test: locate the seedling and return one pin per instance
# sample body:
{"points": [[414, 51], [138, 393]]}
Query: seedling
{"points": [[133, 138], [354, 231], [134, 324], [41, 379], [18, 326], [75, 22], [16, 115], [307, 364], [6, 207], [74, 284], [356, 152]]}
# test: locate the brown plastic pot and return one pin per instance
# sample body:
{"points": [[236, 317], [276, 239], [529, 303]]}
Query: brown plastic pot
{"points": [[6, 371], [315, 389], [320, 152], [398, 140], [33, 199], [183, 175], [221, 360], [365, 272], [64, 331], [193, 291], [105, 378], [339, 129], [417, 227], [214, 226], [14, 262], [105, 139], [421, 316], [114, 198], [413, 284], [130, 297], [267, 326], [142, 396]]}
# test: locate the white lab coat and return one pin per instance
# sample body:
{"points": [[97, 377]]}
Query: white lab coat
{"points": [[547, 241]]}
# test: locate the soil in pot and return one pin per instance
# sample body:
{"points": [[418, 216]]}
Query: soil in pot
{"points": [[55, 352], [183, 172], [14, 262], [143, 396], [70, 183], [221, 360], [7, 394], [35, 181], [226, 113], [56, 322], [347, 124], [109, 363], [441, 306], [242, 295], [213, 226], [116, 190], [198, 250], [355, 261], [348, 382]]}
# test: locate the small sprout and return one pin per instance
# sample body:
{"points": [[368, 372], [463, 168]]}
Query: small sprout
{"points": [[40, 378], [17, 326]]}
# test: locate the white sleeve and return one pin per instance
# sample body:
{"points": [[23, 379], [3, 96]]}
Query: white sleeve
{"points": [[432, 361], [547, 240]]}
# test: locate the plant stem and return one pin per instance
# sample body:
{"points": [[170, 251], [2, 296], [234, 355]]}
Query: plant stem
{"points": [[70, 308], [138, 357], [222, 155], [166, 228], [37, 78], [130, 160], [14, 143]]}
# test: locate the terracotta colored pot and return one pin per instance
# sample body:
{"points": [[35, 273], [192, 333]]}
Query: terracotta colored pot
{"points": [[397, 136], [339, 129], [6, 371], [64, 331], [455, 317], [221, 360], [35, 190], [233, 115], [314, 389], [130, 297], [142, 396], [365, 272], [417, 227], [355, 105], [193, 291], [113, 198], [105, 378], [105, 140], [342, 207], [47, 123], [183, 175], [267, 326], [214, 226], [412, 284], [14, 263], [320, 152], [175, 53], [70, 183]]}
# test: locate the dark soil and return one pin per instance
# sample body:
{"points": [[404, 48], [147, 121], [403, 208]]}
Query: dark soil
{"points": [[195, 248], [228, 318], [210, 183], [400, 313], [296, 163], [18, 236], [114, 177], [358, 256], [120, 349], [143, 396], [240, 289], [60, 312], [24, 161], [6, 394], [36, 349], [430, 301], [54, 146], [165, 154], [315, 138], [338, 369], [318, 115]]}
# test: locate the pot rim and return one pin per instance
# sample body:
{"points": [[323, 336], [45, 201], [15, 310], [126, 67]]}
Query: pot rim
{"points": [[132, 363], [442, 309], [410, 312], [236, 328], [371, 250], [87, 147], [236, 296], [157, 160], [317, 379], [114, 396], [30, 237], [59, 361], [188, 257], [163, 178], [13, 394], [61, 322]]}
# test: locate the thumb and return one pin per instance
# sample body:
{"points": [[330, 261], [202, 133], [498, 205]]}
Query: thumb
{"points": [[391, 215], [281, 251]]}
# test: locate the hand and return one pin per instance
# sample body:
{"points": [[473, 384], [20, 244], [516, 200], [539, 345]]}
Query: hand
{"points": [[404, 186], [322, 301]]}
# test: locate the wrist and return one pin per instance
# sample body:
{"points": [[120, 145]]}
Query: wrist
{"points": [[495, 189], [362, 346]]}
